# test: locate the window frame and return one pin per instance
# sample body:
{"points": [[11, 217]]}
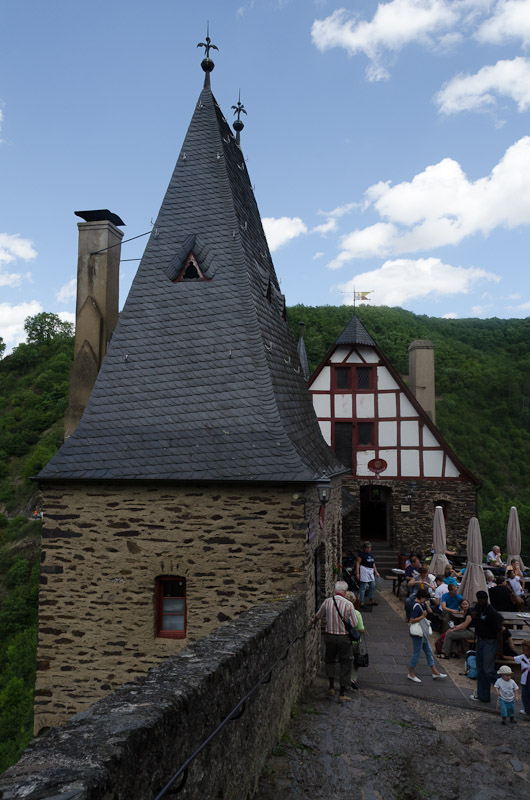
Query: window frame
{"points": [[159, 598]]}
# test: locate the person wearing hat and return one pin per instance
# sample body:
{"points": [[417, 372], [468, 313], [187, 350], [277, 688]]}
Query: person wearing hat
{"points": [[488, 628], [508, 692]]}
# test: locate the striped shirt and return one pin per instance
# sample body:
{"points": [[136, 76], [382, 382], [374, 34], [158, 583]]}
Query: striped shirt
{"points": [[334, 623]]}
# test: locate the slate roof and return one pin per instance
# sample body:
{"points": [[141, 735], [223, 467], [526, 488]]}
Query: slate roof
{"points": [[202, 379], [355, 333], [302, 355]]}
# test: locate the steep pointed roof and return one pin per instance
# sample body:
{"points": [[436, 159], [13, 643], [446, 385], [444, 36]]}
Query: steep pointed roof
{"points": [[202, 379], [355, 333]]}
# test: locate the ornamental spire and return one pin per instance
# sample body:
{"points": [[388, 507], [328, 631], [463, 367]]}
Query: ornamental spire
{"points": [[238, 123], [207, 63]]}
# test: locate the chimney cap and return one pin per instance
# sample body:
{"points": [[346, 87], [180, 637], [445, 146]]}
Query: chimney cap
{"points": [[99, 216]]}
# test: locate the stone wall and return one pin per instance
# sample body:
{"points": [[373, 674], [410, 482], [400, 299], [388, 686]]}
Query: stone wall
{"points": [[104, 546], [411, 530], [129, 744]]}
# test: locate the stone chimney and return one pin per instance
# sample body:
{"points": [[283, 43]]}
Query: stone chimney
{"points": [[421, 375], [96, 306]]}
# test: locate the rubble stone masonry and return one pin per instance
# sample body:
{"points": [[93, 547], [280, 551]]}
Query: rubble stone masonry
{"points": [[104, 546]]}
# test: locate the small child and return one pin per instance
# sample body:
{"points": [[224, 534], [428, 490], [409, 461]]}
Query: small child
{"points": [[524, 661], [507, 691]]}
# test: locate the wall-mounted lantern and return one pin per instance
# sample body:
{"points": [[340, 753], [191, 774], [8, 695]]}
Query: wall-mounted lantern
{"points": [[324, 489]]}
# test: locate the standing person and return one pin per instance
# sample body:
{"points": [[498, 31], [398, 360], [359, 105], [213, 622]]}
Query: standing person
{"points": [[488, 629], [507, 690], [355, 645], [420, 609], [336, 638], [524, 662], [366, 571]]}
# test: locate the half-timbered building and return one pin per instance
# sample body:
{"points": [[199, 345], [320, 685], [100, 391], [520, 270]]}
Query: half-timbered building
{"points": [[400, 466]]}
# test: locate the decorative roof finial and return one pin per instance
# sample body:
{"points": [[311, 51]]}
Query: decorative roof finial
{"points": [[238, 123], [207, 63]]}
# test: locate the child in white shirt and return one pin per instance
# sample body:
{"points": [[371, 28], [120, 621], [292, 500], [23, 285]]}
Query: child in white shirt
{"points": [[507, 690], [524, 661]]}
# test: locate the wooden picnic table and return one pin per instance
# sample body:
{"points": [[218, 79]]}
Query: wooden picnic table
{"points": [[516, 618], [397, 578]]}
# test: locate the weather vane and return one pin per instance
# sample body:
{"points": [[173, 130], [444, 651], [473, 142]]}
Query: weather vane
{"points": [[207, 47], [238, 123]]}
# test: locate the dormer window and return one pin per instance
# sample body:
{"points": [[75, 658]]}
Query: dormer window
{"points": [[190, 271]]}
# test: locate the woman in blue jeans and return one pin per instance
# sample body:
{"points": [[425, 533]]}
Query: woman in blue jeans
{"points": [[420, 609], [366, 571]]}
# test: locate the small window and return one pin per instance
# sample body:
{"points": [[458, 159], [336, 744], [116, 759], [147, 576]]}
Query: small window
{"points": [[364, 377], [343, 443], [171, 610], [191, 273], [342, 377], [365, 433]]}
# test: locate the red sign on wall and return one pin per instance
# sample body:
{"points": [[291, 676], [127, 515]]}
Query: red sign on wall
{"points": [[377, 465]]}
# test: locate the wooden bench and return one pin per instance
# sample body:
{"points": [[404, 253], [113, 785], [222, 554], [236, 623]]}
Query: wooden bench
{"points": [[397, 582]]}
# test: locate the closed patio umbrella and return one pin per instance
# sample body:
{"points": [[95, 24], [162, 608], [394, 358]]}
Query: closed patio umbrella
{"points": [[439, 560], [474, 579], [513, 538]]}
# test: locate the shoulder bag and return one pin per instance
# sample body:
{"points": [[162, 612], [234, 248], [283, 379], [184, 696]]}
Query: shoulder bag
{"points": [[352, 631]]}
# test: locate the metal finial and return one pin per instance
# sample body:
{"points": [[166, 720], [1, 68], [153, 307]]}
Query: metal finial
{"points": [[238, 123], [207, 63]]}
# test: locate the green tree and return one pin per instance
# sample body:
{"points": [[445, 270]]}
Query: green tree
{"points": [[2, 347], [44, 327]]}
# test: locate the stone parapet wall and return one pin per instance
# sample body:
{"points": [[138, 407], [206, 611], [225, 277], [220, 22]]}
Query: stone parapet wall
{"points": [[411, 530], [104, 546], [129, 744]]}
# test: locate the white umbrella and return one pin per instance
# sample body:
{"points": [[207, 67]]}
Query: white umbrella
{"points": [[513, 538], [439, 560], [474, 579]]}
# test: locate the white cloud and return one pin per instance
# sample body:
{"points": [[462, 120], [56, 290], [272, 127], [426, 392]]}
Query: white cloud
{"points": [[478, 92], [331, 224], [281, 230], [510, 20], [440, 206], [12, 321], [67, 316], [520, 307], [13, 247], [67, 292], [393, 26], [318, 255], [450, 315], [481, 311], [402, 280]]}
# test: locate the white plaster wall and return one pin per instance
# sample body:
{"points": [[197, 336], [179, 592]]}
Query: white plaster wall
{"points": [[410, 463], [428, 438], [387, 405], [365, 406], [343, 405], [325, 427], [390, 456], [385, 379], [409, 434], [451, 470], [340, 354], [433, 463], [322, 381], [406, 407], [363, 457], [387, 434], [369, 354], [354, 358], [322, 405]]}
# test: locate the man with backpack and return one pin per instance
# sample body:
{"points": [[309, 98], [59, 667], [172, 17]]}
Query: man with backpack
{"points": [[488, 628]]}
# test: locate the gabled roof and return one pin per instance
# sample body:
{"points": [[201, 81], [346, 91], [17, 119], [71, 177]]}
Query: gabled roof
{"points": [[202, 380]]}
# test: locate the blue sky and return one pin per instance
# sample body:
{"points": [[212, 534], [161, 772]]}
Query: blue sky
{"points": [[388, 144]]}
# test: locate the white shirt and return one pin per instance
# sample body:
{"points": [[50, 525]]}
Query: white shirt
{"points": [[439, 591], [515, 583], [507, 689], [525, 667]]}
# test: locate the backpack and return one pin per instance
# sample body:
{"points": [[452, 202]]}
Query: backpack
{"points": [[439, 643], [471, 665]]}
